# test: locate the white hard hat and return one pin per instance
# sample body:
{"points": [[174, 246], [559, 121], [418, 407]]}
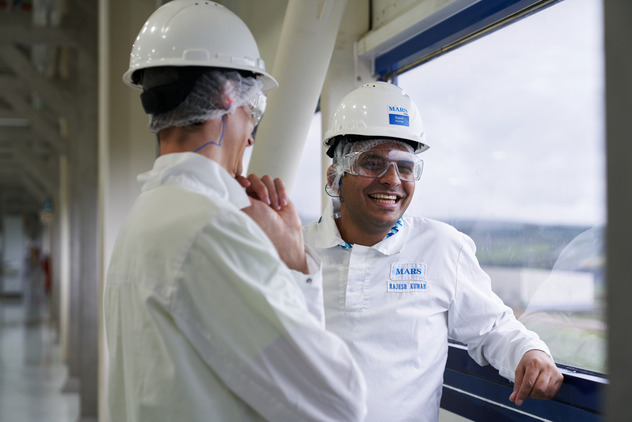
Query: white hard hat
{"points": [[376, 109], [196, 33]]}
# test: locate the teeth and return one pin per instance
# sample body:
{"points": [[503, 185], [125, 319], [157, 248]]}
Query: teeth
{"points": [[382, 197]]}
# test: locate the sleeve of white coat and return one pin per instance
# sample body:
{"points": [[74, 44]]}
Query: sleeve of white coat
{"points": [[242, 311], [480, 319], [311, 285]]}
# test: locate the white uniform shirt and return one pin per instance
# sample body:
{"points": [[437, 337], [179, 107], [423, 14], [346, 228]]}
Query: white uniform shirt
{"points": [[203, 320], [397, 302]]}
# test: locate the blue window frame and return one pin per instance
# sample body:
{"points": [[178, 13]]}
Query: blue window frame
{"points": [[473, 20]]}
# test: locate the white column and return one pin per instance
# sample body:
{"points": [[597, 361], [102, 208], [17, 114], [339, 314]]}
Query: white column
{"points": [[307, 41], [345, 72]]}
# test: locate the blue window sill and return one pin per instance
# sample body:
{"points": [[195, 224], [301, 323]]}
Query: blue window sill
{"points": [[481, 394]]}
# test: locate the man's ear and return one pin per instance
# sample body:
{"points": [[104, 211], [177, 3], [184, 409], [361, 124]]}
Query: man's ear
{"points": [[227, 102]]}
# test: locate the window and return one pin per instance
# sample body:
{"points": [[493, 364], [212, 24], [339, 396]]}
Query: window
{"points": [[515, 124]]}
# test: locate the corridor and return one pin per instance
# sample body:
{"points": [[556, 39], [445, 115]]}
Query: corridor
{"points": [[32, 374]]}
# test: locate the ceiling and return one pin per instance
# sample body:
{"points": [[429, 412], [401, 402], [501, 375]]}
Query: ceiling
{"points": [[46, 46]]}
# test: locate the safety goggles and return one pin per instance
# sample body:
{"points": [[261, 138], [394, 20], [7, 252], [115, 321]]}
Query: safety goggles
{"points": [[376, 162], [257, 108]]}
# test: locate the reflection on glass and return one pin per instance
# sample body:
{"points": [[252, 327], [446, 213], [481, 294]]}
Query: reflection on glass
{"points": [[567, 308], [515, 124]]}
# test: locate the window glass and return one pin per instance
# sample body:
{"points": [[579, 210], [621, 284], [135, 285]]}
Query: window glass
{"points": [[515, 124]]}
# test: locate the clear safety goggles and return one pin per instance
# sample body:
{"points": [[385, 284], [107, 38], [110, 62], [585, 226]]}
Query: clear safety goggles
{"points": [[257, 108], [376, 162]]}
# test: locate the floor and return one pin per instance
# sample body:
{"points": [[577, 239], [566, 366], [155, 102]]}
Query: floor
{"points": [[32, 374]]}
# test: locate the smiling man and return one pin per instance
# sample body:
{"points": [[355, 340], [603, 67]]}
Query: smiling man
{"points": [[396, 287]]}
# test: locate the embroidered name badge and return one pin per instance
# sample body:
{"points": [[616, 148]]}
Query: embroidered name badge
{"points": [[407, 277]]}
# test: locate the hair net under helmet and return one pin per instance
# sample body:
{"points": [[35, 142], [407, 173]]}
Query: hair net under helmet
{"points": [[215, 92], [345, 147], [189, 54]]}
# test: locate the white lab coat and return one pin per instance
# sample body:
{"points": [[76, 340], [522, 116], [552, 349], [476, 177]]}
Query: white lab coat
{"points": [[203, 320], [397, 302]]}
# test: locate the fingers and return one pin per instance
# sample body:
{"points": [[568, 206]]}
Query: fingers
{"points": [[523, 386], [256, 188], [276, 191], [245, 183], [547, 384], [290, 216], [271, 191], [536, 385], [280, 190], [283, 228], [536, 377]]}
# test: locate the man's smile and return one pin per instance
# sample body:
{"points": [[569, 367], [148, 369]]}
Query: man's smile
{"points": [[382, 198]]}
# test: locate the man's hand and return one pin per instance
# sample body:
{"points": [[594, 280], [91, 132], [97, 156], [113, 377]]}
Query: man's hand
{"points": [[536, 377], [265, 189], [281, 224]]}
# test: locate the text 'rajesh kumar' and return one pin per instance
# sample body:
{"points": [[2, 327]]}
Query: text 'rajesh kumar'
{"points": [[406, 286]]}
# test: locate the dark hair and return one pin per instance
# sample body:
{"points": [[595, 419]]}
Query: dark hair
{"points": [[167, 96]]}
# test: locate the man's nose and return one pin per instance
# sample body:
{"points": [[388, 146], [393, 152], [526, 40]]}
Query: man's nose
{"points": [[391, 176]]}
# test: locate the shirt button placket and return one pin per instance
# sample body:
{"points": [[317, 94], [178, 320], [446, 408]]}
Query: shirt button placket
{"points": [[358, 267]]}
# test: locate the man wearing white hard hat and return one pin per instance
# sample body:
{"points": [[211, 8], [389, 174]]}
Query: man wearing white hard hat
{"points": [[212, 304], [396, 287]]}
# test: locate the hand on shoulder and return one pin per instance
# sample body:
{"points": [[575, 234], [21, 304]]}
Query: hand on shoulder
{"points": [[268, 190], [278, 218]]}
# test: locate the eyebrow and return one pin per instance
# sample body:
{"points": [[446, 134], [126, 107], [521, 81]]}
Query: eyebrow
{"points": [[374, 154]]}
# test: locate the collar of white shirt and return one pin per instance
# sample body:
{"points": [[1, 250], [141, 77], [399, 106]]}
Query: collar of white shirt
{"points": [[329, 236], [197, 173]]}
